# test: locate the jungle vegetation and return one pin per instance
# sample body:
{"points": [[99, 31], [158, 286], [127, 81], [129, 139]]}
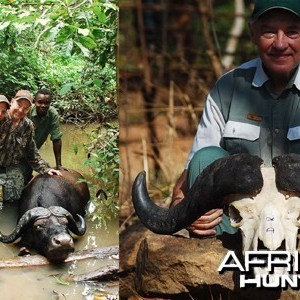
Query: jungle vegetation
{"points": [[69, 47]]}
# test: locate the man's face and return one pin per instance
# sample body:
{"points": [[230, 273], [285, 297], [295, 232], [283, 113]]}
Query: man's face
{"points": [[277, 37], [3, 109], [42, 103], [19, 109]]}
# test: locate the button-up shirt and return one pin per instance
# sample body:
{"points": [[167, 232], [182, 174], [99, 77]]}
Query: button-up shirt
{"points": [[243, 115], [17, 144], [45, 125]]}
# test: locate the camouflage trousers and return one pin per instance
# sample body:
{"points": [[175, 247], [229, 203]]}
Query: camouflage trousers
{"points": [[12, 182]]}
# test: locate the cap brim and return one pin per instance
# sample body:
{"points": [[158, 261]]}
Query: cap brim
{"points": [[257, 15], [20, 98], [6, 102]]}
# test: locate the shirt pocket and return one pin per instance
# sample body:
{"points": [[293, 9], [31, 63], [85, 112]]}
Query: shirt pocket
{"points": [[293, 133], [240, 130]]}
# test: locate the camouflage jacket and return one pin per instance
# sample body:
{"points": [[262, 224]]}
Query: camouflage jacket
{"points": [[17, 144]]}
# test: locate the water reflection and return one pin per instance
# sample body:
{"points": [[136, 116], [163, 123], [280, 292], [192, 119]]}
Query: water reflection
{"points": [[51, 282]]}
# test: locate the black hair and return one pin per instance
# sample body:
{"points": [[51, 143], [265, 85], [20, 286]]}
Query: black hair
{"points": [[44, 92]]}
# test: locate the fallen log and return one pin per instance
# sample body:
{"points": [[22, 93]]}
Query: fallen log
{"points": [[105, 273], [39, 260]]}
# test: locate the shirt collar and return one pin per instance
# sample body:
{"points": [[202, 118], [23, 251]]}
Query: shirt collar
{"points": [[297, 79], [33, 112], [260, 77]]}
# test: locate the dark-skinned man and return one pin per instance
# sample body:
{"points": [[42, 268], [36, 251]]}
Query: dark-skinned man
{"points": [[46, 122]]}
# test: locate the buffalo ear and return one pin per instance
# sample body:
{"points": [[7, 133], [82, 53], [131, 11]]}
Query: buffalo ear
{"points": [[287, 168]]}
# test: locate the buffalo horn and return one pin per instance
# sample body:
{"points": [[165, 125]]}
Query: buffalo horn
{"points": [[79, 227], [236, 174], [24, 222], [287, 167]]}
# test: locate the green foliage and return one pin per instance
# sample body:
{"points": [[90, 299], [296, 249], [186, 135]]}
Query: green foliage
{"points": [[68, 46], [103, 159], [19, 67]]}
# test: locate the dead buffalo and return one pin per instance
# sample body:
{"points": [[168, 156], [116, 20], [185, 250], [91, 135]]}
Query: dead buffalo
{"points": [[50, 208]]}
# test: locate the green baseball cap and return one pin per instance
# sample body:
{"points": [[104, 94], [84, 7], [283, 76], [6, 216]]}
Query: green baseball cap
{"points": [[261, 6]]}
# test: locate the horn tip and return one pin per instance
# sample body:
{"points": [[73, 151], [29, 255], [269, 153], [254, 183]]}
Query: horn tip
{"points": [[141, 177]]}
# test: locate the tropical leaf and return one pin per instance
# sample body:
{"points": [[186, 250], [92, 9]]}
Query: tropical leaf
{"points": [[65, 89], [84, 50], [88, 42]]}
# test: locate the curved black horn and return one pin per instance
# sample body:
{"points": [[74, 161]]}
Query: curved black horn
{"points": [[78, 228], [236, 174], [24, 222], [287, 167]]}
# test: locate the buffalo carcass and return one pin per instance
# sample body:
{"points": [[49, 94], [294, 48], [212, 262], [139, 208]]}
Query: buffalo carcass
{"points": [[264, 202], [50, 208]]}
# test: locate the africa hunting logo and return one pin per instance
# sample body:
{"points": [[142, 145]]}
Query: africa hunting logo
{"points": [[264, 269]]}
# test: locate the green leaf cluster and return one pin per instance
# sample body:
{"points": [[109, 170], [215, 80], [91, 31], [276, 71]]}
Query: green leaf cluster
{"points": [[67, 46], [103, 159]]}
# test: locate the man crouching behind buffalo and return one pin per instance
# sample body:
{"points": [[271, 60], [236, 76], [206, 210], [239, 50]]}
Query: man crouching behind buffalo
{"points": [[254, 108], [17, 144]]}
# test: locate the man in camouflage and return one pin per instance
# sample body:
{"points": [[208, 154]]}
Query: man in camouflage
{"points": [[17, 144]]}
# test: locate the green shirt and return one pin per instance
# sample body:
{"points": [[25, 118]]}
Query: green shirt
{"points": [[46, 125], [17, 144], [242, 115]]}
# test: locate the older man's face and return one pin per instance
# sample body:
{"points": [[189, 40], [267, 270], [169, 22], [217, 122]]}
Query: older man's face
{"points": [[19, 109], [277, 37]]}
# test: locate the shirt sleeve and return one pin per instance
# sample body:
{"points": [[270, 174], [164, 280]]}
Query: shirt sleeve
{"points": [[34, 158], [210, 128], [55, 133]]}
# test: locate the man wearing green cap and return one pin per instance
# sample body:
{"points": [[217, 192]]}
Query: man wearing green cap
{"points": [[254, 108]]}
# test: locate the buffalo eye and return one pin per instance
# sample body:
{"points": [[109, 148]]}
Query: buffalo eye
{"points": [[39, 224], [38, 227]]}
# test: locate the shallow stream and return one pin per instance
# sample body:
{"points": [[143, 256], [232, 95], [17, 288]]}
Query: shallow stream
{"points": [[50, 282]]}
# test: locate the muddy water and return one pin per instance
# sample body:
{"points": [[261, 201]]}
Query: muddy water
{"points": [[51, 282]]}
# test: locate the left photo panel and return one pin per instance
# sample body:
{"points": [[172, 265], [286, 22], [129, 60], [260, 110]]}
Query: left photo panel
{"points": [[59, 157]]}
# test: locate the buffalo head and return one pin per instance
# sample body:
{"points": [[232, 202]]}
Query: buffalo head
{"points": [[48, 231]]}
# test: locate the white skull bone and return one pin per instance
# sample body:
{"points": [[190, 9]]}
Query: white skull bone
{"points": [[271, 217]]}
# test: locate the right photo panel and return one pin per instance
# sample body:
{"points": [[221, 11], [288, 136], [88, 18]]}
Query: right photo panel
{"points": [[209, 149]]}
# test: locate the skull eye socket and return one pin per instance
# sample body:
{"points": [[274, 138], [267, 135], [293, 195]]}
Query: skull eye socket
{"points": [[234, 214]]}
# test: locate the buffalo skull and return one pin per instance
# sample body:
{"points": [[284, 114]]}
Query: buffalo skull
{"points": [[263, 201]]}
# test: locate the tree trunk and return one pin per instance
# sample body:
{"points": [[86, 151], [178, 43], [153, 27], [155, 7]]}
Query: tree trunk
{"points": [[235, 32]]}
